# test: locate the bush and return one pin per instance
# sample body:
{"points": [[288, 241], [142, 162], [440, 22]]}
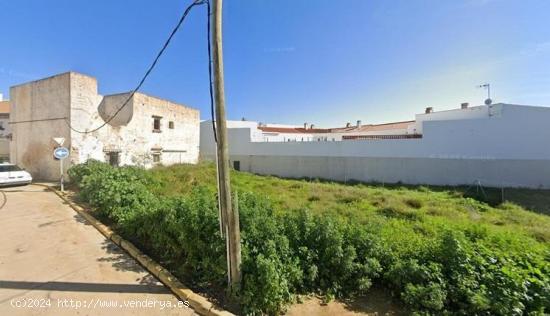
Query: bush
{"points": [[439, 268], [78, 172], [270, 271], [414, 203], [337, 258]]}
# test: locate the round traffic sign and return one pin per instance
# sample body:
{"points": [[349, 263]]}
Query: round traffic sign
{"points": [[61, 153]]}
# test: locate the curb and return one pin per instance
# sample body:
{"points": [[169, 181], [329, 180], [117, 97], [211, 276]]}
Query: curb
{"points": [[197, 302]]}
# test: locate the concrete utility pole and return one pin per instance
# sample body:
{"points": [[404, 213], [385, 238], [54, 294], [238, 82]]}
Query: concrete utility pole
{"points": [[230, 217]]}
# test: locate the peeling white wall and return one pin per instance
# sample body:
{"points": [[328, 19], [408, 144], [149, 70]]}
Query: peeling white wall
{"points": [[131, 131], [75, 96]]}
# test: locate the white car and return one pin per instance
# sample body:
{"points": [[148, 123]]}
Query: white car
{"points": [[11, 174]]}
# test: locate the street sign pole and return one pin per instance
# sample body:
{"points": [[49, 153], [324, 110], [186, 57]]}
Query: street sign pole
{"points": [[60, 153], [61, 171]]}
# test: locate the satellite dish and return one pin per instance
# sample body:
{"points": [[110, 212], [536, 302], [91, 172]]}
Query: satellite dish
{"points": [[488, 101]]}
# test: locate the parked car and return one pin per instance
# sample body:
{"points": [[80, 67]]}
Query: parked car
{"points": [[11, 174]]}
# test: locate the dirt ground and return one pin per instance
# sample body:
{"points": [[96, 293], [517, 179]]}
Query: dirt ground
{"points": [[376, 302]]}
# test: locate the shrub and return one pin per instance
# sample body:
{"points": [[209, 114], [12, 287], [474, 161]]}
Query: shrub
{"points": [[396, 211], [270, 271], [313, 198], [337, 258], [433, 266], [78, 172], [421, 285], [414, 203]]}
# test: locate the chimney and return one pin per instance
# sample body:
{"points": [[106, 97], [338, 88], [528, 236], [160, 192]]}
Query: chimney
{"points": [[348, 124], [429, 110], [312, 126], [305, 125], [358, 123], [464, 105]]}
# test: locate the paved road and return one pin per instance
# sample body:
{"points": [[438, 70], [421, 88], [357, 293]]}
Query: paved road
{"points": [[54, 263]]}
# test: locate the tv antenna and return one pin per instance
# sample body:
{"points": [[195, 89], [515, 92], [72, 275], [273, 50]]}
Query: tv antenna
{"points": [[487, 86]]}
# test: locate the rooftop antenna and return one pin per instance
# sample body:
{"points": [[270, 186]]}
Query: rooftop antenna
{"points": [[487, 86]]}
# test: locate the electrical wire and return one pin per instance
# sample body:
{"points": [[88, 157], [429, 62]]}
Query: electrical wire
{"points": [[39, 120], [148, 72], [210, 83]]}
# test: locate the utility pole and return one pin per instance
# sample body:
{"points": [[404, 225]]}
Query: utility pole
{"points": [[230, 217]]}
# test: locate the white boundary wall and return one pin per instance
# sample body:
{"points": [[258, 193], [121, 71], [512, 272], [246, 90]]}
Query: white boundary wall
{"points": [[508, 146]]}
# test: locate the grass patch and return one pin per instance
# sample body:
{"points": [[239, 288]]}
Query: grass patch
{"points": [[313, 198], [414, 203], [437, 249]]}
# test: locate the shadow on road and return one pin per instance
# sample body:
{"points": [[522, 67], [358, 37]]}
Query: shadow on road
{"points": [[121, 261], [82, 287]]}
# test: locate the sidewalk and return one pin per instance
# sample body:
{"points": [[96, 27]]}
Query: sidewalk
{"points": [[53, 263]]}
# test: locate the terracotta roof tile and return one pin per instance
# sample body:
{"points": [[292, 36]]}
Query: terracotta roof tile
{"points": [[374, 127], [362, 128], [292, 130]]}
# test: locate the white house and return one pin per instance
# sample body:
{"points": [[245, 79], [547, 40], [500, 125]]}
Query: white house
{"points": [[496, 145], [147, 131]]}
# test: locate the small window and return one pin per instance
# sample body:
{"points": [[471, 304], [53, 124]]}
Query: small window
{"points": [[171, 125], [114, 158], [237, 165], [156, 157], [156, 124]]}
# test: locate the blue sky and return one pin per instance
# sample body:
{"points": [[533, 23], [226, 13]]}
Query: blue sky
{"points": [[293, 61]]}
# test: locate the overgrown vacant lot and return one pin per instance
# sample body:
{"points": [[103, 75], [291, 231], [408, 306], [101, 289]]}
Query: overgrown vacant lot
{"points": [[432, 248], [420, 205]]}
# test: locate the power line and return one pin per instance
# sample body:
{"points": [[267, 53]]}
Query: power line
{"points": [[212, 111], [39, 120], [147, 73]]}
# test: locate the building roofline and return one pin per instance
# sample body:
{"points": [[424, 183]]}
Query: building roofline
{"points": [[164, 99], [524, 105], [70, 72], [116, 94], [293, 130], [301, 130], [352, 128], [485, 106], [390, 123]]}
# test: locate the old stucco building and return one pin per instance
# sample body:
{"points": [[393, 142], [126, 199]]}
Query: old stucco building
{"points": [[146, 132], [5, 132]]}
